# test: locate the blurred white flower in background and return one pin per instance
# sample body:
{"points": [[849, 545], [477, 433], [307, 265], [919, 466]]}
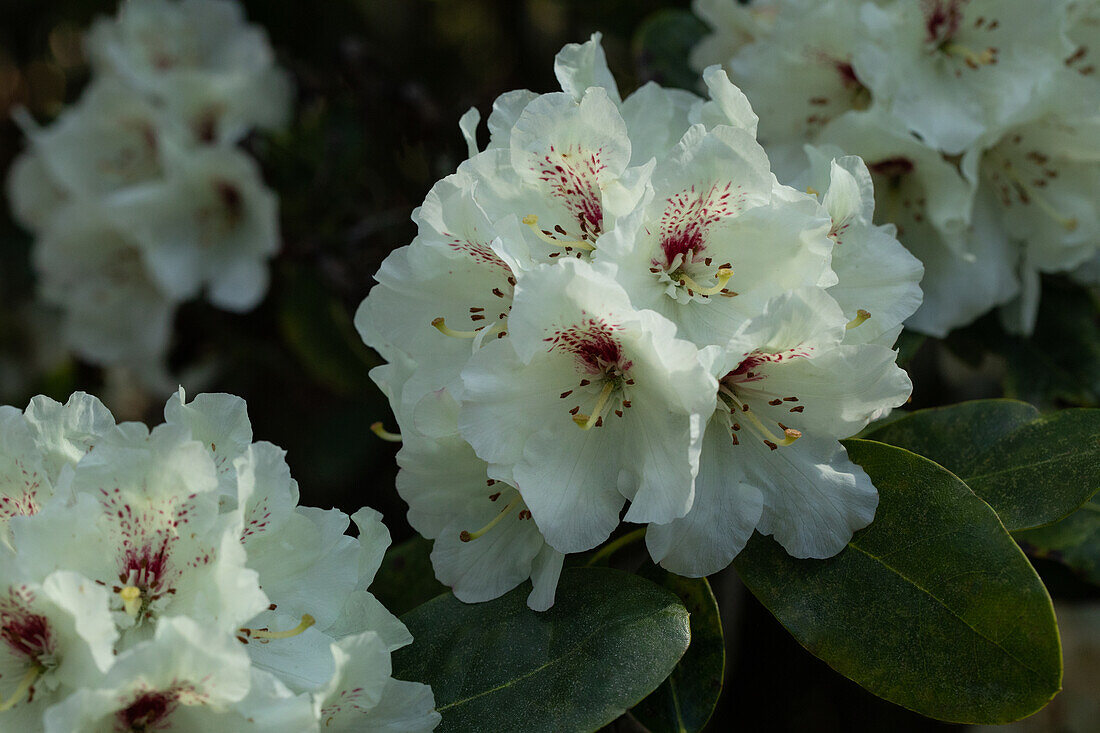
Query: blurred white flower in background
{"points": [[169, 577], [138, 195], [617, 301], [976, 118]]}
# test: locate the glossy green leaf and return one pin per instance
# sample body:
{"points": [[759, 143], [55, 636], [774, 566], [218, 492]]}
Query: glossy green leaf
{"points": [[609, 640], [662, 45], [406, 578], [685, 701], [1032, 469], [1074, 541], [932, 607]]}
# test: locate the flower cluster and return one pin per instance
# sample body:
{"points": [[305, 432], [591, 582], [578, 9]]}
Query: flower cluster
{"points": [[168, 578], [617, 301], [978, 119], [138, 195]]}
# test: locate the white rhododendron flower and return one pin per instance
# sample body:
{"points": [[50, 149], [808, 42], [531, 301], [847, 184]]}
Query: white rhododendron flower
{"points": [[976, 119], [589, 403], [168, 577], [787, 392], [486, 542], [138, 195], [617, 301]]}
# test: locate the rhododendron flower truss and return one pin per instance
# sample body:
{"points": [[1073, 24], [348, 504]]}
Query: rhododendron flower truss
{"points": [[168, 577], [976, 119], [146, 165], [591, 298], [198, 55]]}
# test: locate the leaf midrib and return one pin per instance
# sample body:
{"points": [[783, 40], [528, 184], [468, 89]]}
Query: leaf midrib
{"points": [[950, 610], [1019, 467]]}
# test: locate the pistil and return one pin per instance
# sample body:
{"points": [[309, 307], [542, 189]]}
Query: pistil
{"points": [[23, 688], [446, 330], [790, 435], [586, 422], [859, 320], [468, 536], [384, 434]]}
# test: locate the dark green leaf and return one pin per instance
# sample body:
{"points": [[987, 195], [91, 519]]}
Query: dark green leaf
{"points": [[1075, 541], [1032, 469], [406, 578], [662, 45], [685, 701], [932, 607], [609, 640]]}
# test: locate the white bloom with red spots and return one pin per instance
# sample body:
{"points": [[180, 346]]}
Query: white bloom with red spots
{"points": [[718, 239], [1040, 181], [954, 69], [968, 266], [588, 403], [145, 524], [186, 677], [40, 446], [966, 112], [771, 459], [122, 539], [486, 542], [608, 273], [444, 293], [802, 73], [54, 635], [313, 574], [208, 223]]}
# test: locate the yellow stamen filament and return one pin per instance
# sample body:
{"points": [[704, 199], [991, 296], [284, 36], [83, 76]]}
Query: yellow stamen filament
{"points": [[812, 191], [443, 328], [723, 276], [972, 59], [533, 221], [587, 421], [790, 435], [468, 536], [384, 434], [131, 600], [307, 621], [21, 691], [859, 320]]}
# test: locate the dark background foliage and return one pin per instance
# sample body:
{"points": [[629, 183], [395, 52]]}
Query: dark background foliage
{"points": [[381, 85]]}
